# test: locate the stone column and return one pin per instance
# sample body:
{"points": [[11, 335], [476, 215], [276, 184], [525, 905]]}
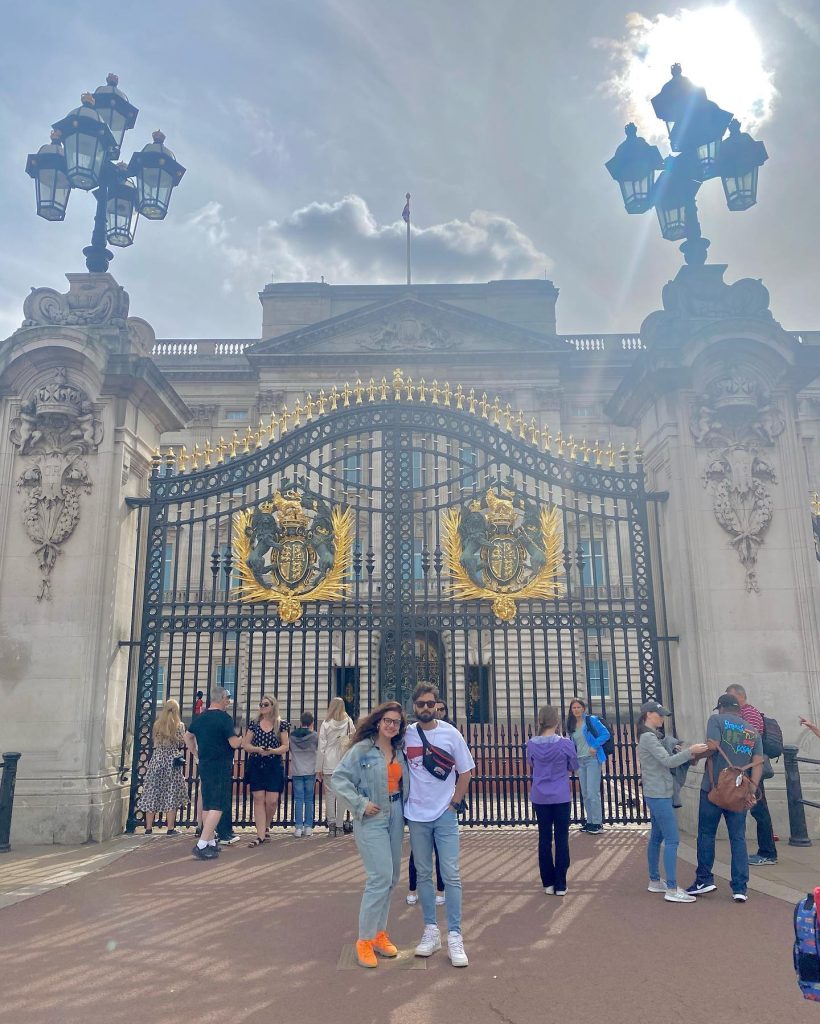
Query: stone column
{"points": [[81, 407], [714, 399]]}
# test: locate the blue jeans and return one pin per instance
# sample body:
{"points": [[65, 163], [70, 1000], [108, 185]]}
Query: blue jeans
{"points": [[708, 820], [589, 775], [444, 832], [664, 830], [379, 840], [303, 800]]}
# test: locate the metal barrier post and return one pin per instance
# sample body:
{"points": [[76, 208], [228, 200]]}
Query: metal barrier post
{"points": [[798, 833], [9, 766]]}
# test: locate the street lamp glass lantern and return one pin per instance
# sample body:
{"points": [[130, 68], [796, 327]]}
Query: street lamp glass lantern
{"points": [[674, 200], [633, 166], [87, 142], [121, 213], [114, 109], [156, 173], [47, 168], [740, 159]]}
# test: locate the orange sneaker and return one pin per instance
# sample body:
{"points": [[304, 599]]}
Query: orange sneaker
{"points": [[383, 946], [365, 957]]}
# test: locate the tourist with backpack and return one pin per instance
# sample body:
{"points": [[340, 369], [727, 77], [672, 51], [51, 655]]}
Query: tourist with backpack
{"points": [[772, 747], [658, 780], [733, 772], [589, 733]]}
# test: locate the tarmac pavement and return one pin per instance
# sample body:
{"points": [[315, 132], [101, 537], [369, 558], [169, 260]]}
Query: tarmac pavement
{"points": [[264, 936]]}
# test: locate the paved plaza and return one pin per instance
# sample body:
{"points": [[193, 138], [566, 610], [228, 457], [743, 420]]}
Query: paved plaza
{"points": [[263, 935]]}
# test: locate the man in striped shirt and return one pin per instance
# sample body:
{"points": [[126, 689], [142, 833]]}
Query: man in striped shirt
{"points": [[766, 850]]}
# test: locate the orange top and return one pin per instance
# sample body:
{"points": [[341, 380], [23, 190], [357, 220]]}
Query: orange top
{"points": [[393, 777]]}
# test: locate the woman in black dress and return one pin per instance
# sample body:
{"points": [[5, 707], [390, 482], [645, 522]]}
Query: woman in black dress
{"points": [[265, 743]]}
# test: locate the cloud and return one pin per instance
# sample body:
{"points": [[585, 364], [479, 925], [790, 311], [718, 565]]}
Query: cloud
{"points": [[344, 243], [804, 17], [718, 49]]}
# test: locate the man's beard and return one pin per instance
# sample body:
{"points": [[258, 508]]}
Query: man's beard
{"points": [[426, 716]]}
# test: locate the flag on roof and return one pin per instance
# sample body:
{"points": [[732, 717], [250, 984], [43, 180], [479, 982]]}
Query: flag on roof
{"points": [[405, 213]]}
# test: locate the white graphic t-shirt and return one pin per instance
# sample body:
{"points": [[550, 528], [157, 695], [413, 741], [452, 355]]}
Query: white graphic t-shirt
{"points": [[430, 797]]}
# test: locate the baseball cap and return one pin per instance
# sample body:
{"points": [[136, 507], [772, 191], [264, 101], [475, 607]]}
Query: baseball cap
{"points": [[653, 705], [727, 700]]}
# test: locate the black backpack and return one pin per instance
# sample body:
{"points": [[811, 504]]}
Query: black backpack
{"points": [[609, 745], [772, 738]]}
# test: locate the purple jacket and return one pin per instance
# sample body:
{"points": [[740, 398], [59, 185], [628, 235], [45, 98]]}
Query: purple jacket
{"points": [[552, 758]]}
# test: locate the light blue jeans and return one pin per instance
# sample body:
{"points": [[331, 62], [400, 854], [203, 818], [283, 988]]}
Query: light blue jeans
{"points": [[303, 800], [664, 830], [444, 831], [589, 774], [379, 840]]}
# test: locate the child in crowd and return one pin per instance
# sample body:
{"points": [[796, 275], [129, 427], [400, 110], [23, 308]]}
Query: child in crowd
{"points": [[303, 745]]}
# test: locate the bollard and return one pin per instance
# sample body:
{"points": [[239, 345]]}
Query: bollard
{"points": [[798, 833], [9, 765]]}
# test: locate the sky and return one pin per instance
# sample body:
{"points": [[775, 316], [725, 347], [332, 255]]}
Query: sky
{"points": [[303, 125]]}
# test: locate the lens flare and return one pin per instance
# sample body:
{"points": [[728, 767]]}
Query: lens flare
{"points": [[717, 48]]}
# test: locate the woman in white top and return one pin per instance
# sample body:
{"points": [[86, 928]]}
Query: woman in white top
{"points": [[334, 739]]}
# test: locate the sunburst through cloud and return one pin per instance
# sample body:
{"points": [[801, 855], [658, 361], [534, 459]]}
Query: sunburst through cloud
{"points": [[718, 49]]}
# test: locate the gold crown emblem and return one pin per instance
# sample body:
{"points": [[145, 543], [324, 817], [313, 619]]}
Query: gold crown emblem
{"points": [[289, 507], [500, 510]]}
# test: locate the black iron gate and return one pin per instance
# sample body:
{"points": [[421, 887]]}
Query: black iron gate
{"points": [[398, 460]]}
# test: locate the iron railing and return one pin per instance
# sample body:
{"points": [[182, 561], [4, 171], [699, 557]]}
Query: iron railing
{"points": [[798, 832], [7, 781]]}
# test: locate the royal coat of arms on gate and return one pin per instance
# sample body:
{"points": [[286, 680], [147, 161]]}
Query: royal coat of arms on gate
{"points": [[505, 551], [291, 549]]}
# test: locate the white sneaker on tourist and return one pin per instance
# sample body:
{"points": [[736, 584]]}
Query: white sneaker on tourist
{"points": [[659, 886], [549, 890], [412, 899], [297, 832], [440, 899], [455, 949], [560, 892], [308, 833], [430, 941], [678, 896]]}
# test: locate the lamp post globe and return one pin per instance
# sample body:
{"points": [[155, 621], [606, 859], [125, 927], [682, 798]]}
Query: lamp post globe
{"points": [[740, 159], [87, 141], [121, 210], [156, 172], [114, 109], [633, 166], [52, 187]]}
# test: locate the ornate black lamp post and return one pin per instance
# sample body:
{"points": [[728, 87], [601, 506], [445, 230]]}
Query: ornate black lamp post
{"points": [[696, 127], [83, 153]]}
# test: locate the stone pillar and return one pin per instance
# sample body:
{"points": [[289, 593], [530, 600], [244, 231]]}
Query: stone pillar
{"points": [[81, 407], [714, 399]]}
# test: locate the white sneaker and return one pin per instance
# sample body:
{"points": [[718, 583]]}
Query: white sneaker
{"points": [[440, 899], [678, 896], [739, 897], [659, 886], [560, 892], [297, 832], [455, 948], [308, 833], [549, 890], [430, 941], [412, 899]]}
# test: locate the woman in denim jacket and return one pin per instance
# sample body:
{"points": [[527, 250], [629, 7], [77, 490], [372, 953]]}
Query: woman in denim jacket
{"points": [[374, 779], [589, 744]]}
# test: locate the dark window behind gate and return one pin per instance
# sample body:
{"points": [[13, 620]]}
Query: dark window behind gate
{"points": [[400, 463]]}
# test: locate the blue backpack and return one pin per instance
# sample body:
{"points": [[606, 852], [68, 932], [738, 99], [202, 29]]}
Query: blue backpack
{"points": [[807, 946]]}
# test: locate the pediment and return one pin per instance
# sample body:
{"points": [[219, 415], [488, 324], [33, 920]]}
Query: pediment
{"points": [[407, 326]]}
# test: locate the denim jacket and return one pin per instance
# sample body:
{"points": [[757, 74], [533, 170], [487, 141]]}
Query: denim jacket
{"points": [[361, 777]]}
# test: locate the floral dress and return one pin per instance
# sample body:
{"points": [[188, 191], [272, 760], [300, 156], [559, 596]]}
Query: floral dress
{"points": [[164, 788], [266, 773]]}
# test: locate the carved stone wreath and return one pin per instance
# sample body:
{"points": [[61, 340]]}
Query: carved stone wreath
{"points": [[55, 429], [736, 419]]}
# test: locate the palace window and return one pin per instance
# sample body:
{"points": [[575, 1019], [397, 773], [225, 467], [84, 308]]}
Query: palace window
{"points": [[593, 573], [236, 415], [470, 458], [352, 468], [226, 676], [168, 568], [598, 678], [418, 468]]}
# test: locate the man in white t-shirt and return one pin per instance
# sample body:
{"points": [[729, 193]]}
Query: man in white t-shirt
{"points": [[432, 816]]}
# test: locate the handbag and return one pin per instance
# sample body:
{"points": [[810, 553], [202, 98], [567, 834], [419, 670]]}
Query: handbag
{"points": [[436, 761], [734, 790], [179, 761]]}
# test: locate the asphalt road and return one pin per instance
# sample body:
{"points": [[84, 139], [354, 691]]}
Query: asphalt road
{"points": [[257, 937]]}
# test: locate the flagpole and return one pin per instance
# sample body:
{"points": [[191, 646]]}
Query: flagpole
{"points": [[407, 197]]}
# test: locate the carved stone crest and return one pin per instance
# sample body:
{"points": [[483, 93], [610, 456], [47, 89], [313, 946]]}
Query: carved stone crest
{"points": [[55, 429], [736, 419], [409, 334], [91, 299]]}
